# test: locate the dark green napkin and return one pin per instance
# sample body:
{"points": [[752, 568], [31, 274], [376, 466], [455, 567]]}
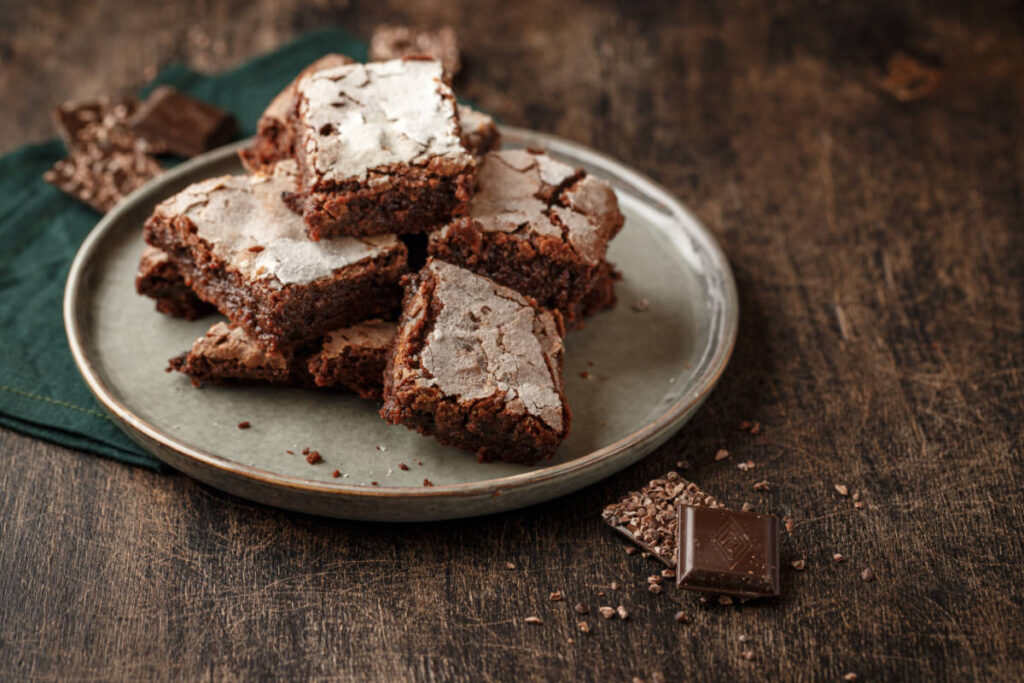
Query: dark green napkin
{"points": [[41, 392]]}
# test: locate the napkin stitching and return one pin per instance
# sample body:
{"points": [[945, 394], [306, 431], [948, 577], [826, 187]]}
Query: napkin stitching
{"points": [[47, 399]]}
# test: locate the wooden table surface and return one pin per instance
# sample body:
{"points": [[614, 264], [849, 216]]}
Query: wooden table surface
{"points": [[862, 165]]}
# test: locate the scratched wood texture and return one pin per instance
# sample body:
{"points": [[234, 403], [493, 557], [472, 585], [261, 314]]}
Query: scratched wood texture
{"points": [[878, 242]]}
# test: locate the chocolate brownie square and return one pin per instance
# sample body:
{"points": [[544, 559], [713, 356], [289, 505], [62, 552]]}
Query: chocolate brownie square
{"points": [[352, 358], [159, 279], [538, 226], [180, 124], [239, 247], [379, 150], [275, 134], [477, 366]]}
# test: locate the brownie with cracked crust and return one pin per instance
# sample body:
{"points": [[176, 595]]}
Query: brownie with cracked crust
{"points": [[379, 150], [275, 136], [352, 358], [159, 279], [478, 366], [239, 247], [538, 226]]}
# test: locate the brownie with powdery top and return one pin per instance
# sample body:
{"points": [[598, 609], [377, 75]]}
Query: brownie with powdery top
{"points": [[379, 150], [275, 133], [538, 226], [159, 279], [352, 358], [240, 248], [477, 366]]}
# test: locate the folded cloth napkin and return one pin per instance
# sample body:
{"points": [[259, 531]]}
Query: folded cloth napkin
{"points": [[41, 392]]}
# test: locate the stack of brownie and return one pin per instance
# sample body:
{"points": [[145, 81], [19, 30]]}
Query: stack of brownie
{"points": [[381, 244]]}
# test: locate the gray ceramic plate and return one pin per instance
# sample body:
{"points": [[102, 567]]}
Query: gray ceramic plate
{"points": [[632, 378]]}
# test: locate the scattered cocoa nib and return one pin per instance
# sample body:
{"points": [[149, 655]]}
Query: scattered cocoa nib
{"points": [[799, 565], [648, 516], [762, 485], [313, 457], [722, 454], [641, 305], [868, 574], [681, 618], [427, 482], [555, 596], [244, 425], [581, 608], [403, 466], [842, 490], [583, 626], [536, 621], [607, 612]]}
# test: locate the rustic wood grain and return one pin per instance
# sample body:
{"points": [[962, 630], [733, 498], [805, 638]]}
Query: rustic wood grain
{"points": [[879, 250]]}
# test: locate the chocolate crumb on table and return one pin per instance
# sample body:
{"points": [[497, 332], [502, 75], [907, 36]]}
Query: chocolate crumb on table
{"points": [[180, 124], [314, 457], [244, 425], [393, 42], [336, 473], [477, 366], [648, 516], [378, 150]]}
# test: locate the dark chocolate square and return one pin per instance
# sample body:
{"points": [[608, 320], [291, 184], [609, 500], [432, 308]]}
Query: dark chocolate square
{"points": [[727, 552]]}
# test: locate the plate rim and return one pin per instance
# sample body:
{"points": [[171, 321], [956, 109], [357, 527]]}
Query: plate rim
{"points": [[653, 430]]}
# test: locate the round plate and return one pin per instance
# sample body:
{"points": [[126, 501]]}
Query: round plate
{"points": [[632, 378]]}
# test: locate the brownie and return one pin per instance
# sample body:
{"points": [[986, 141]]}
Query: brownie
{"points": [[352, 359], [159, 279], [538, 226], [392, 42], [477, 366], [102, 177], [180, 124], [480, 134], [101, 123], [275, 138], [379, 151], [239, 247]]}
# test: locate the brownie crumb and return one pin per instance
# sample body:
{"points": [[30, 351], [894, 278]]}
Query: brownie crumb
{"points": [[313, 457], [583, 626], [842, 490], [336, 473], [722, 454], [305, 451], [838, 557], [510, 565], [585, 374], [641, 305], [255, 248], [290, 452], [614, 585], [621, 611], [850, 676], [746, 507], [420, 463], [536, 621], [654, 588], [724, 600], [747, 655], [244, 425], [682, 465], [555, 596], [762, 485], [427, 482], [799, 565], [607, 612], [373, 483], [581, 608], [868, 574], [859, 505], [668, 573], [681, 618], [746, 466], [403, 466], [630, 550]]}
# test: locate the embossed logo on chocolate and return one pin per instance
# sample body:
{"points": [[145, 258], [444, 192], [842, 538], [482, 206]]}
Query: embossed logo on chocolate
{"points": [[730, 540]]}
